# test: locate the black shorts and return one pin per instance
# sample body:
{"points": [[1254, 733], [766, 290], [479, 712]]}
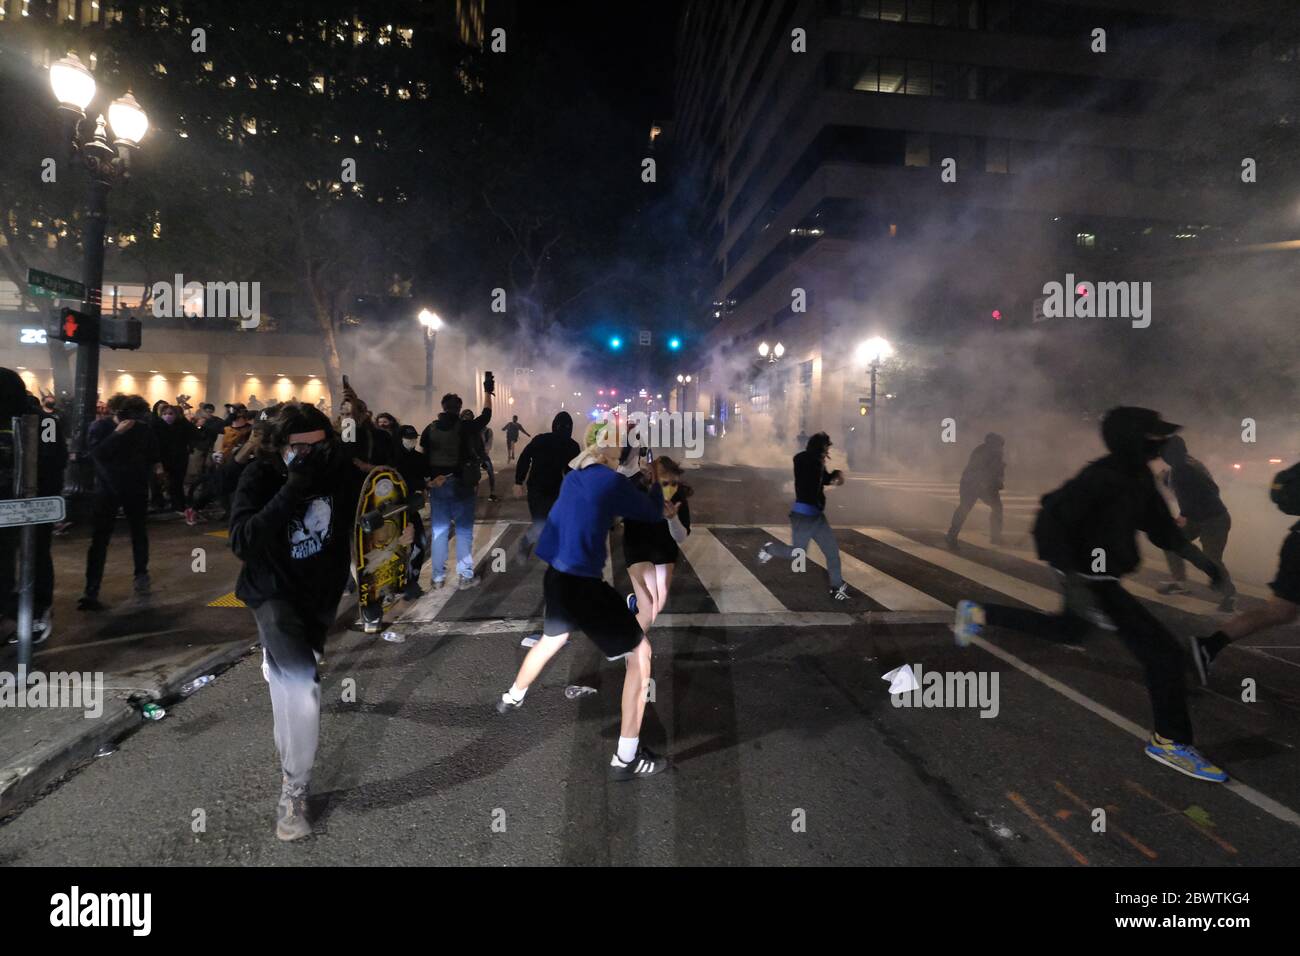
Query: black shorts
{"points": [[589, 605], [653, 553], [1287, 583]]}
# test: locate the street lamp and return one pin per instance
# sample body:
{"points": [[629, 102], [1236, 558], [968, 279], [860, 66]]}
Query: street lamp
{"points": [[74, 87], [432, 323], [684, 383], [870, 352], [771, 353]]}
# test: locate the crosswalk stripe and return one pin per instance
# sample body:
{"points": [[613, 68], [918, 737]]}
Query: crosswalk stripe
{"points": [[1190, 603], [1038, 597], [428, 607], [730, 584], [1157, 557], [877, 585]]}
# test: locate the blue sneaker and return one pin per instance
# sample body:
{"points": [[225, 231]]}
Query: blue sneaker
{"points": [[969, 622], [1185, 759]]}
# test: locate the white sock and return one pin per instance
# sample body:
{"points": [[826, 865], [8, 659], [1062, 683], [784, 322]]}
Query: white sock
{"points": [[515, 694], [627, 748]]}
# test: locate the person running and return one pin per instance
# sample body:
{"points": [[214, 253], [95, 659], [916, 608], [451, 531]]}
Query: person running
{"points": [[1280, 609], [1201, 514], [124, 459], [577, 597], [650, 548], [808, 514], [291, 526], [414, 469], [981, 481], [454, 474], [542, 465], [512, 429], [1086, 530], [481, 444]]}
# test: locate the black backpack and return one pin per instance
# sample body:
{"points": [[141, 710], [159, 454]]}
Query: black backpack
{"points": [[1285, 490]]}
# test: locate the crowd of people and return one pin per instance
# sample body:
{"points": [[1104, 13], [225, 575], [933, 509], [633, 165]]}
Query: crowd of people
{"points": [[287, 478]]}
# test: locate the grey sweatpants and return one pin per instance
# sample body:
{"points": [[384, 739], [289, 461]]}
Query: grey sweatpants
{"points": [[291, 640]]}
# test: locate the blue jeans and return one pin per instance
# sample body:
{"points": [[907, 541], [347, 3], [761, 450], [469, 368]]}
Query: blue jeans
{"points": [[804, 528], [447, 504]]}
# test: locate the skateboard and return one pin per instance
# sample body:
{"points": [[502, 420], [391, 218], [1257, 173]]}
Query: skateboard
{"points": [[379, 559]]}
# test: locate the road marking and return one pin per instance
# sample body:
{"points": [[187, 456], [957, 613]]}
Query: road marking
{"points": [[732, 586], [431, 603], [1038, 597], [1249, 794], [515, 625], [1047, 828], [1194, 824], [876, 584], [1137, 844]]}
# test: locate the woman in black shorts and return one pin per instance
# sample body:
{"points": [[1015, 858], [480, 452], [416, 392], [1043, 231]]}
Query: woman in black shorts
{"points": [[650, 548]]}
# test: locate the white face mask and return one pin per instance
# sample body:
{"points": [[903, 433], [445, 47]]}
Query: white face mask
{"points": [[408, 444]]}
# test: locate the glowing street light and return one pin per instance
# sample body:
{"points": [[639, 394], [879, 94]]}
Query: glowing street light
{"points": [[871, 352], [432, 323]]}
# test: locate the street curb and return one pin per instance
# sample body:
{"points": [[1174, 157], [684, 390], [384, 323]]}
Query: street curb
{"points": [[29, 775]]}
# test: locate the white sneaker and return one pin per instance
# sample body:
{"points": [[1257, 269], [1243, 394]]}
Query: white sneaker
{"points": [[764, 555]]}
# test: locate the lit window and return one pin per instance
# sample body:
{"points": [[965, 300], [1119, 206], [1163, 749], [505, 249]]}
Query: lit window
{"points": [[1085, 240], [318, 84]]}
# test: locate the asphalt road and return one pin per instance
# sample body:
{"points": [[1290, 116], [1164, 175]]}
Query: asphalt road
{"points": [[788, 748]]}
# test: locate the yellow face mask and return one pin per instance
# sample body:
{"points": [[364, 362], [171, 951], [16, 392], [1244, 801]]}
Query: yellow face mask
{"points": [[670, 489]]}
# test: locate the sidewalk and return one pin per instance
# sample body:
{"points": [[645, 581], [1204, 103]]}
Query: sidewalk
{"points": [[192, 625]]}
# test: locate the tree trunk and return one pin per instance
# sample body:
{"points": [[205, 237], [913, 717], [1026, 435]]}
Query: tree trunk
{"points": [[330, 353]]}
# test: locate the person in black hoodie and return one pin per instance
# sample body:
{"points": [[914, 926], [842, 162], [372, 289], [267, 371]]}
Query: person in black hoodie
{"points": [[449, 443], [414, 469], [981, 481], [1201, 514], [1086, 530], [291, 525], [542, 466], [125, 459], [174, 433], [808, 513]]}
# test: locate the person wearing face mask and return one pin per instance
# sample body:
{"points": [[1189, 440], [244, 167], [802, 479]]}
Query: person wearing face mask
{"points": [[291, 525], [175, 433], [1087, 531], [808, 514], [650, 548], [413, 466]]}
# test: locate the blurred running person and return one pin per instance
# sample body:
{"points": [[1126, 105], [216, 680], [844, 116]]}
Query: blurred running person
{"points": [[808, 514], [512, 429], [650, 548], [1087, 531], [1280, 609], [577, 598], [1201, 514], [542, 465], [981, 481], [481, 444]]}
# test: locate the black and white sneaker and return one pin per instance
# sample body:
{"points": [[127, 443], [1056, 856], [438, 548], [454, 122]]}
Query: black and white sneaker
{"points": [[1201, 658], [764, 555], [840, 593], [507, 704], [42, 628], [644, 764]]}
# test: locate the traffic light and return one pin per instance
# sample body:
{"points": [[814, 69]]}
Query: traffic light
{"points": [[615, 343], [69, 325], [674, 343], [120, 333], [864, 407]]}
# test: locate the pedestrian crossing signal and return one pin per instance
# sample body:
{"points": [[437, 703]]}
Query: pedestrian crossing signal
{"points": [[864, 409], [69, 325]]}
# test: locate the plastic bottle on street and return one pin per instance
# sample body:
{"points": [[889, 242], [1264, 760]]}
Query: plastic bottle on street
{"points": [[152, 712], [574, 691], [394, 637], [192, 686]]}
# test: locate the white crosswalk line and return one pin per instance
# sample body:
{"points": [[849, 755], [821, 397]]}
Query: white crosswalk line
{"points": [[876, 584], [732, 586], [1190, 603], [1152, 554], [428, 607], [1044, 599]]}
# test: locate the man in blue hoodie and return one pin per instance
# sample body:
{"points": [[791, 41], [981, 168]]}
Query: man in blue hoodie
{"points": [[578, 598]]}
